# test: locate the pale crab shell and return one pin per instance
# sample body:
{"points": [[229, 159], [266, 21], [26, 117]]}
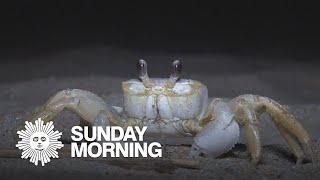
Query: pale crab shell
{"points": [[188, 99]]}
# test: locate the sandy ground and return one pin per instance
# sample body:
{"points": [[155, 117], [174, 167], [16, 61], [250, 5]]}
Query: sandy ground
{"points": [[26, 86], [19, 99]]}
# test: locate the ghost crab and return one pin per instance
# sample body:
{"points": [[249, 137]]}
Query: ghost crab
{"points": [[180, 107]]}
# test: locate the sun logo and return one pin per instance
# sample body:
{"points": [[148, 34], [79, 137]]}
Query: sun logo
{"points": [[39, 142]]}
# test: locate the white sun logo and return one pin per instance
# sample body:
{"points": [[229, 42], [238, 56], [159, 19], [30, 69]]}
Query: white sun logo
{"points": [[39, 142]]}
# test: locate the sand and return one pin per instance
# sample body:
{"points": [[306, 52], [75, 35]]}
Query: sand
{"points": [[18, 100]]}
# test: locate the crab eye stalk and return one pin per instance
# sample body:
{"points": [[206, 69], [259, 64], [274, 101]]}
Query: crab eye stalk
{"points": [[176, 68], [143, 73], [142, 68]]}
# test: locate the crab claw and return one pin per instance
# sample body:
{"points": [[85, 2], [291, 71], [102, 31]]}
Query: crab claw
{"points": [[219, 135], [194, 152]]}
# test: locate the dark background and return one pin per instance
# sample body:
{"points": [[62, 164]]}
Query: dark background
{"points": [[41, 39], [284, 27]]}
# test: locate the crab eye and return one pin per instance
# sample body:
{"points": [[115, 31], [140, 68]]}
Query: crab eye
{"points": [[176, 68], [142, 68], [43, 138], [35, 139], [175, 73]]}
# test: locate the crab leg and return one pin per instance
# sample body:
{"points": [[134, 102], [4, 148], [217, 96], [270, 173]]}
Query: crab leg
{"points": [[293, 143], [246, 116], [288, 126], [91, 108]]}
